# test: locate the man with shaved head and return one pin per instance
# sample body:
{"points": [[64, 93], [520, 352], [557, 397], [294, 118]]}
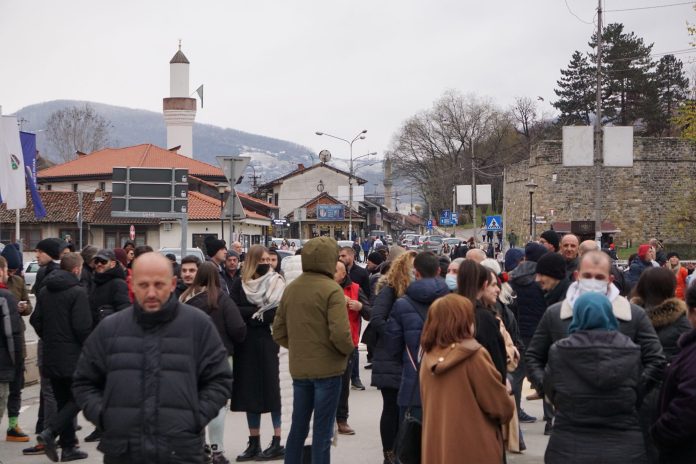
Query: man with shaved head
{"points": [[569, 250], [153, 375], [594, 276], [476, 254], [587, 245]]}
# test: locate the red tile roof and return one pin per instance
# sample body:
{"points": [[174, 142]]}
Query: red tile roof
{"points": [[101, 163], [204, 207]]}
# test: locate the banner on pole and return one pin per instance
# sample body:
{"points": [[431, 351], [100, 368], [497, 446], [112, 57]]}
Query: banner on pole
{"points": [[12, 184], [28, 141]]}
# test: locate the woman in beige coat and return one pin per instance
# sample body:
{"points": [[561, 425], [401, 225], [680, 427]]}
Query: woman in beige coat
{"points": [[464, 400]]}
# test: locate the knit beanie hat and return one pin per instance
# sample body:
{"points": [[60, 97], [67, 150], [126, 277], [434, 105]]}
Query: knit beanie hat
{"points": [[552, 265], [533, 251], [213, 245], [52, 247], [513, 258], [643, 250], [552, 237], [14, 259], [375, 258]]}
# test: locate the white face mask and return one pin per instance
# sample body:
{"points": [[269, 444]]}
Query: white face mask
{"points": [[451, 281], [593, 286]]}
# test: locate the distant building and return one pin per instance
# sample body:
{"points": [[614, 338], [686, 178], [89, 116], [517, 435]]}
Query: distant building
{"points": [[179, 108]]}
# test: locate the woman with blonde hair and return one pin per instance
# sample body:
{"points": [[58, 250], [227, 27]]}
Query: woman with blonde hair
{"points": [[465, 402], [256, 387], [386, 371]]}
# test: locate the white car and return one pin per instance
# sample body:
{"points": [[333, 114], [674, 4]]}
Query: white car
{"points": [[177, 252], [30, 271]]}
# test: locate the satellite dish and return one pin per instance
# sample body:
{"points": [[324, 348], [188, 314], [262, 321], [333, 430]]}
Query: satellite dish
{"points": [[325, 156]]}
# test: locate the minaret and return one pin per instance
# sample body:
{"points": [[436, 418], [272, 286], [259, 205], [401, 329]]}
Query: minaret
{"points": [[388, 183], [179, 108]]}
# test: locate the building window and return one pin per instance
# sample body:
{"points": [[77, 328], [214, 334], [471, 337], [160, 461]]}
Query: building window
{"points": [[102, 186], [30, 238], [74, 187], [48, 187], [275, 199]]}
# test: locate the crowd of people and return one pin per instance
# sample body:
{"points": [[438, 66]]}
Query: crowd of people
{"points": [[154, 352]]}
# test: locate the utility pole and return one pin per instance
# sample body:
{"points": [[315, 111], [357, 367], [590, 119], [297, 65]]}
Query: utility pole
{"points": [[473, 189], [598, 132]]}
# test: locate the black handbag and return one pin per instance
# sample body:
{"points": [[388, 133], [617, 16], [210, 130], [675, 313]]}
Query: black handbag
{"points": [[408, 440]]}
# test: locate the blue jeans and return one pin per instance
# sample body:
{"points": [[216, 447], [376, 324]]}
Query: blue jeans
{"points": [[320, 396]]}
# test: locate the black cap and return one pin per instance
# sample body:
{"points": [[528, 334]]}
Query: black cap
{"points": [[213, 245], [552, 265], [107, 254], [533, 251], [376, 258], [552, 237]]}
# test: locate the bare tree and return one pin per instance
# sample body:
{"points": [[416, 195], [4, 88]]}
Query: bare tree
{"points": [[76, 129], [438, 149]]}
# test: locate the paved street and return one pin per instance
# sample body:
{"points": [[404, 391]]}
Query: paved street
{"points": [[365, 445]]}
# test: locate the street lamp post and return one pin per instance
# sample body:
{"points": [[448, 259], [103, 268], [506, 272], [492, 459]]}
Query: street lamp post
{"points": [[360, 136], [221, 190], [531, 186]]}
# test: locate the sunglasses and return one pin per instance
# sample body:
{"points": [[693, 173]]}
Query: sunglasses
{"points": [[100, 261]]}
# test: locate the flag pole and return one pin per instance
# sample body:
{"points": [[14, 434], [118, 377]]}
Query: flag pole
{"points": [[17, 236]]}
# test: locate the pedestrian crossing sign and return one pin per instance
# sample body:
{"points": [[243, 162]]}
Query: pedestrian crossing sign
{"points": [[494, 223]]}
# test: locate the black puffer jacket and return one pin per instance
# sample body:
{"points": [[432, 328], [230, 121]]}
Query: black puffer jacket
{"points": [[592, 378], [42, 273], [529, 305], [386, 369], [633, 322], [152, 381], [557, 293], [63, 321], [670, 322], [226, 317], [110, 289]]}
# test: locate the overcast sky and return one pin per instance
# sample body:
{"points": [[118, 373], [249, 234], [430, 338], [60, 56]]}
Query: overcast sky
{"points": [[289, 68]]}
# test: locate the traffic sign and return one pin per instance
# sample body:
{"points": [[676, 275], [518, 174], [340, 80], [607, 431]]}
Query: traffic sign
{"points": [[455, 218], [494, 223], [429, 224]]}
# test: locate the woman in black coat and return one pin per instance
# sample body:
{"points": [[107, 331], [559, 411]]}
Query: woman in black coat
{"points": [[655, 293], [592, 378], [205, 294], [386, 370], [256, 387]]}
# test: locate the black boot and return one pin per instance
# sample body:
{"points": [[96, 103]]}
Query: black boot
{"points": [[273, 452], [253, 450], [389, 457], [48, 440], [72, 454]]}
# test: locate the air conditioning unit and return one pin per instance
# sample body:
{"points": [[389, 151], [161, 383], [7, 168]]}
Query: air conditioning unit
{"points": [[167, 226]]}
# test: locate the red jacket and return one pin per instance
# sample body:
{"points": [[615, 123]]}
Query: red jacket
{"points": [[352, 291]]}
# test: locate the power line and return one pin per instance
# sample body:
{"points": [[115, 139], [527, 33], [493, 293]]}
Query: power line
{"points": [[576, 16], [648, 7]]}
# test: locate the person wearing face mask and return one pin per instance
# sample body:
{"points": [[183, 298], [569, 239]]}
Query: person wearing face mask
{"points": [[256, 388], [451, 276], [594, 276]]}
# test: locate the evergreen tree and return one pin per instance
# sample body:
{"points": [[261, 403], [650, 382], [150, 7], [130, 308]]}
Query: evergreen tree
{"points": [[672, 86], [626, 72], [575, 91]]}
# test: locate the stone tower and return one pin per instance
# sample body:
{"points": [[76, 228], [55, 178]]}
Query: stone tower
{"points": [[179, 109]]}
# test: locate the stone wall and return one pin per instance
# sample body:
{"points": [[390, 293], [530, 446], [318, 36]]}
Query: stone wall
{"points": [[635, 199]]}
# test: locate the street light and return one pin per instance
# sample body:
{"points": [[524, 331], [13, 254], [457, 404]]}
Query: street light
{"points": [[360, 136], [531, 186], [222, 188]]}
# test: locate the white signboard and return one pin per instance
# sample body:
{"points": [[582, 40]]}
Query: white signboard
{"points": [[578, 146], [483, 194], [617, 146], [344, 193]]}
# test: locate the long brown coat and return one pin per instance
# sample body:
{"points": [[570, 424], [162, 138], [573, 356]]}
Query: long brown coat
{"points": [[464, 405]]}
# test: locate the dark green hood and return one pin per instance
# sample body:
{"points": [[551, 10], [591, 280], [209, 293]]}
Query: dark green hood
{"points": [[320, 255]]}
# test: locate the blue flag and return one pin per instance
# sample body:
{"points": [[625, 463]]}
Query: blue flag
{"points": [[29, 152]]}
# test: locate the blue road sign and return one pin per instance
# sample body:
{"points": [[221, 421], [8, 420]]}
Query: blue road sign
{"points": [[429, 224], [494, 223], [455, 218]]}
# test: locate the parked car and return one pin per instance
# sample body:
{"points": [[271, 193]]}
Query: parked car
{"points": [[432, 243], [407, 239], [345, 243], [197, 252], [30, 271]]}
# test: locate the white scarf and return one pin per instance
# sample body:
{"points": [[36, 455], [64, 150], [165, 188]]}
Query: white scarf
{"points": [[574, 293], [264, 292]]}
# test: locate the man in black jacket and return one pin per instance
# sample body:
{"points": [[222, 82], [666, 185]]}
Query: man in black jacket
{"points": [[63, 321], [153, 375], [594, 275], [551, 277], [110, 292]]}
